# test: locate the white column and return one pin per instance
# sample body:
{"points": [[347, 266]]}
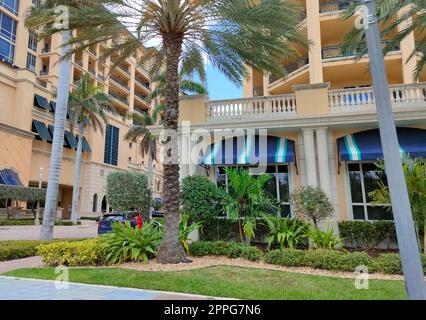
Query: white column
{"points": [[311, 168], [192, 161], [323, 163]]}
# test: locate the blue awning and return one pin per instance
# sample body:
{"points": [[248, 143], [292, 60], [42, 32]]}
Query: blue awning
{"points": [[251, 150], [10, 177], [366, 145], [41, 102], [41, 130]]}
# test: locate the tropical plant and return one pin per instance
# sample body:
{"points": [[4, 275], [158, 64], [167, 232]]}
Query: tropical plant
{"points": [[231, 34], [87, 106], [128, 191], [185, 229], [322, 239], [140, 133], [126, 243], [246, 200], [285, 232], [200, 198], [312, 203], [415, 178], [399, 20]]}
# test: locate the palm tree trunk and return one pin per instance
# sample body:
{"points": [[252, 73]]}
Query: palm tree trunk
{"points": [[150, 171], [171, 249], [49, 215], [77, 167]]}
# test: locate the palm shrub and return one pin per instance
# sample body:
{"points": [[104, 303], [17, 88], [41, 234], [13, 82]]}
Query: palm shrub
{"points": [[126, 243], [231, 34], [185, 229], [285, 232], [246, 200], [322, 239], [312, 204]]}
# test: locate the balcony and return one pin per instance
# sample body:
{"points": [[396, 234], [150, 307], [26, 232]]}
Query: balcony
{"points": [[140, 96], [333, 6], [291, 68], [119, 98], [251, 108], [362, 99], [119, 82], [144, 84], [334, 52]]}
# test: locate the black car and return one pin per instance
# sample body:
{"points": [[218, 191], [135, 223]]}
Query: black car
{"points": [[105, 222]]}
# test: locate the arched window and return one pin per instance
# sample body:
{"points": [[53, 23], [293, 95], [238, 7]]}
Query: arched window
{"points": [[95, 203], [104, 206], [158, 185]]}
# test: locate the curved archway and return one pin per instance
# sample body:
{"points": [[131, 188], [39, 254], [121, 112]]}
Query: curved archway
{"points": [[104, 205]]}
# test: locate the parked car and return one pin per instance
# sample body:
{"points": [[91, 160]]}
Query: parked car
{"points": [[106, 221]]}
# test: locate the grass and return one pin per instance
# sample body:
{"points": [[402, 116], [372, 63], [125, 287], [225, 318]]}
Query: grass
{"points": [[231, 282]]}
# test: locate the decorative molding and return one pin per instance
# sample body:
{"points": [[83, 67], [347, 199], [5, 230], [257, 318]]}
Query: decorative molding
{"points": [[324, 85], [16, 131]]}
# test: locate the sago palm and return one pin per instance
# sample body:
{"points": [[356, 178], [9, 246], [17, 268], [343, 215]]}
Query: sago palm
{"points": [[141, 134], [393, 16], [231, 34], [88, 106]]}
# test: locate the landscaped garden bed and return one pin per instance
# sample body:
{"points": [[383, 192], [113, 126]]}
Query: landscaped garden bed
{"points": [[30, 222]]}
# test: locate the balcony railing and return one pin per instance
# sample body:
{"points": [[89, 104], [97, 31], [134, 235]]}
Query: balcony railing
{"points": [[140, 96], [252, 108], [332, 52], [44, 72], [143, 83], [124, 69], [120, 82], [332, 6], [116, 96], [360, 99], [101, 77], [290, 68]]}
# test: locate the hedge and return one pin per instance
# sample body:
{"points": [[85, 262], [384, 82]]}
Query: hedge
{"points": [[222, 248], [367, 234], [30, 222], [88, 252], [22, 193], [10, 250]]}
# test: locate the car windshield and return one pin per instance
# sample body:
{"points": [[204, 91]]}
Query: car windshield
{"points": [[113, 218]]}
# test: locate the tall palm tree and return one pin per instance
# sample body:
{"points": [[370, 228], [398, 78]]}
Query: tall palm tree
{"points": [[231, 34], [88, 106], [393, 16], [140, 133], [49, 215]]}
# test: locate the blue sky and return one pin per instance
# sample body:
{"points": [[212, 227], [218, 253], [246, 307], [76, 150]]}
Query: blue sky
{"points": [[219, 87]]}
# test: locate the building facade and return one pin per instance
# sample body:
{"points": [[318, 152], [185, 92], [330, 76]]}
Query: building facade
{"points": [[28, 80], [321, 119]]}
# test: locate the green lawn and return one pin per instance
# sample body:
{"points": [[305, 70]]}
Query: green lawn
{"points": [[231, 282]]}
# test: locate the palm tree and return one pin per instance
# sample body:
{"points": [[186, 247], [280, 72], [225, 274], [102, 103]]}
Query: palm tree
{"points": [[393, 16], [148, 141], [231, 34], [415, 177], [49, 215], [87, 106]]}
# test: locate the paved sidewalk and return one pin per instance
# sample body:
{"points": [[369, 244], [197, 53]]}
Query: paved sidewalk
{"points": [[87, 229], [31, 289], [31, 262]]}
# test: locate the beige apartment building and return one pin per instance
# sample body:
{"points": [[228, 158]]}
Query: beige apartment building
{"points": [[28, 80], [321, 119]]}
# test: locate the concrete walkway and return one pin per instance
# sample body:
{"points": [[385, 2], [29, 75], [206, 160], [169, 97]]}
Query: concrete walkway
{"points": [[87, 229], [31, 262], [31, 289]]}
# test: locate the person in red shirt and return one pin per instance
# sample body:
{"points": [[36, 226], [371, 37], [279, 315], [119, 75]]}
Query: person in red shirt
{"points": [[139, 221]]}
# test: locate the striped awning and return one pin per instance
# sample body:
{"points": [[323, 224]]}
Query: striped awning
{"points": [[366, 145], [10, 177], [250, 150]]}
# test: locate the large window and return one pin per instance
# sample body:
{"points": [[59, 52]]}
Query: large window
{"points": [[32, 41], [7, 38], [111, 145], [363, 179], [11, 5], [278, 186]]}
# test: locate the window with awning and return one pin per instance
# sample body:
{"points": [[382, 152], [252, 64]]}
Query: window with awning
{"points": [[366, 145], [10, 177], [250, 150], [41, 102], [86, 147], [41, 130], [52, 106], [51, 130], [70, 140]]}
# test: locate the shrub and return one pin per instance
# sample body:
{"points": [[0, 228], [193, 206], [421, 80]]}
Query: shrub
{"points": [[312, 203], [80, 253], [201, 198], [288, 257], [185, 229], [324, 259], [367, 234], [322, 239], [30, 222], [388, 263], [126, 243], [287, 233], [228, 249], [127, 191]]}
